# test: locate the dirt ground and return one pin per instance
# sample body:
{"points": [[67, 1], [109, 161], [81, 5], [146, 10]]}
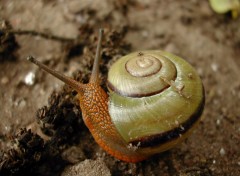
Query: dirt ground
{"points": [[30, 97]]}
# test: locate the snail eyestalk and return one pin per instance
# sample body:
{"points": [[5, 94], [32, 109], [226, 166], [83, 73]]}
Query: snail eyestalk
{"points": [[95, 71], [74, 84]]}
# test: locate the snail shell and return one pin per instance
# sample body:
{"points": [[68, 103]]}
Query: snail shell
{"points": [[155, 99]]}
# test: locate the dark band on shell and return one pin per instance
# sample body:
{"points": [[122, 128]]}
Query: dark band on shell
{"points": [[166, 137]]}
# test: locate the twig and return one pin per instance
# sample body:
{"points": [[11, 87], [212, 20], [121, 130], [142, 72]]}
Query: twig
{"points": [[40, 34]]}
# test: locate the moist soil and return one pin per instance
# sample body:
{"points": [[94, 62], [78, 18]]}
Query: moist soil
{"points": [[41, 129]]}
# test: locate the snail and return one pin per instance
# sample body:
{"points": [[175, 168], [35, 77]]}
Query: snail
{"points": [[154, 101]]}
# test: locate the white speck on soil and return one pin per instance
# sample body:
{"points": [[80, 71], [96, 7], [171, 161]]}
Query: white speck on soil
{"points": [[218, 122], [222, 152], [30, 79], [214, 67]]}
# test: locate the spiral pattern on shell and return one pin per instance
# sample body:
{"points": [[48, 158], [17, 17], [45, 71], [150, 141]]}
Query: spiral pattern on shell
{"points": [[155, 99], [140, 75]]}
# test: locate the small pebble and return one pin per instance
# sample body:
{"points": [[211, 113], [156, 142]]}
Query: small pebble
{"points": [[4, 80], [22, 103], [218, 122], [73, 155], [87, 167], [7, 128], [214, 67], [222, 152], [30, 79], [145, 34]]}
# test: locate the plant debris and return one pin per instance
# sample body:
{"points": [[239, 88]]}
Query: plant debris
{"points": [[8, 43], [25, 152]]}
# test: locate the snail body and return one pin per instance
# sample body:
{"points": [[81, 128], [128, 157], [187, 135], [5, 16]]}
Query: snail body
{"points": [[148, 109]]}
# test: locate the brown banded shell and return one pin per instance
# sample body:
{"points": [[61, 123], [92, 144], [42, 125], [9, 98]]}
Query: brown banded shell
{"points": [[155, 99]]}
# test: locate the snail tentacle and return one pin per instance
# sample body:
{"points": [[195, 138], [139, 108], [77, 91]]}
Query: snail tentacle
{"points": [[69, 81], [95, 71]]}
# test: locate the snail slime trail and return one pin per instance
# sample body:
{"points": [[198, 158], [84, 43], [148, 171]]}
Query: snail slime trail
{"points": [[155, 99]]}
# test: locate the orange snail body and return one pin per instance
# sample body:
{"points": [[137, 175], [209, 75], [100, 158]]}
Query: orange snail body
{"points": [[134, 121], [94, 105]]}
